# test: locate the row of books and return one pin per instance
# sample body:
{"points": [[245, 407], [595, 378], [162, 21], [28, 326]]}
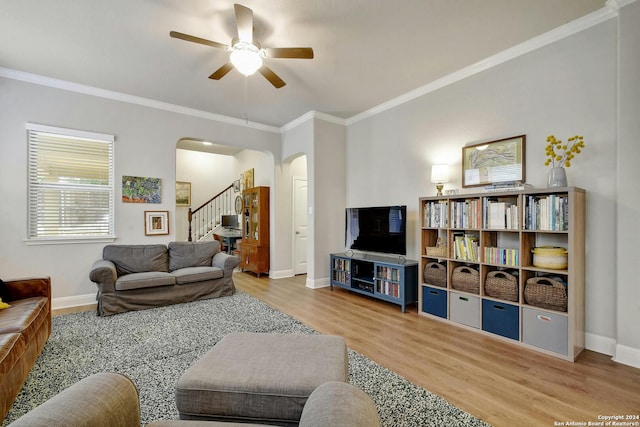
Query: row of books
{"points": [[549, 212], [436, 214], [387, 273], [501, 213], [342, 276], [388, 288], [341, 264], [502, 256], [466, 213], [466, 247]]}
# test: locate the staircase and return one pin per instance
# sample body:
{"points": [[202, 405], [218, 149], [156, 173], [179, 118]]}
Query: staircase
{"points": [[205, 218]]}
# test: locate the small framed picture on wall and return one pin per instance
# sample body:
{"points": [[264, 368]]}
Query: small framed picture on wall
{"points": [[156, 223]]}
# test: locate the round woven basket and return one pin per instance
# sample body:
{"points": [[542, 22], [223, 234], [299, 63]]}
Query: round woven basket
{"points": [[435, 274], [502, 285], [546, 293], [466, 279]]}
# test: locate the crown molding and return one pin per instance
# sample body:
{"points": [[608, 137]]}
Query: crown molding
{"points": [[131, 99], [313, 115], [530, 45], [617, 4]]}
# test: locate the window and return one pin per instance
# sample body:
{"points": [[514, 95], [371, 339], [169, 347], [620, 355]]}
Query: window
{"points": [[70, 184]]}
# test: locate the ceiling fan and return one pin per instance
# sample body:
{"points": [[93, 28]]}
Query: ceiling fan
{"points": [[246, 52]]}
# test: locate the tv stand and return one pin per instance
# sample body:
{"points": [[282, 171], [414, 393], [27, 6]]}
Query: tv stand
{"points": [[387, 278]]}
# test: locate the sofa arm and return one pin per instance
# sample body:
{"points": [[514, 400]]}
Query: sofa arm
{"points": [[226, 262], [103, 273], [100, 400], [339, 404], [17, 289]]}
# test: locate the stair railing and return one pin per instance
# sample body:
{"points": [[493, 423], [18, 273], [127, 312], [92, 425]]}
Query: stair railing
{"points": [[205, 218]]}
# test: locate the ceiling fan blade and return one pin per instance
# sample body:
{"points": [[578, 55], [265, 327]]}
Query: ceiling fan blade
{"points": [[289, 52], [194, 39], [271, 76], [222, 71], [244, 21]]}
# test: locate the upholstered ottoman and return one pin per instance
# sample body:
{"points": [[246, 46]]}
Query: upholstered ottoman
{"points": [[261, 378]]}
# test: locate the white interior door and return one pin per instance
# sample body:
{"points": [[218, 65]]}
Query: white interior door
{"points": [[299, 225]]}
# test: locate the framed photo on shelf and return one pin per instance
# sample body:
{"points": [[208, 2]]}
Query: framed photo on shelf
{"points": [[494, 162], [156, 223], [183, 193]]}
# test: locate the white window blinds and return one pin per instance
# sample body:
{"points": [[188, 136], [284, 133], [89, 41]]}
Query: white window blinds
{"points": [[70, 183]]}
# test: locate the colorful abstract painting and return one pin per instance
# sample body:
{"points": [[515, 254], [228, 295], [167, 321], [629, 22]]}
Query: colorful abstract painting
{"points": [[137, 189]]}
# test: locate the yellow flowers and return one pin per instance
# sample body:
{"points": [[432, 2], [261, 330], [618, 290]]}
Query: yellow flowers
{"points": [[559, 154]]}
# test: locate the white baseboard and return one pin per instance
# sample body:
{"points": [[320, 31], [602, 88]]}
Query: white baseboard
{"points": [[280, 274], [600, 344], [627, 356], [74, 301], [317, 283]]}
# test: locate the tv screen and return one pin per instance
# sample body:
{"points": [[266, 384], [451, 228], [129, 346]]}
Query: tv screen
{"points": [[230, 221], [377, 229]]}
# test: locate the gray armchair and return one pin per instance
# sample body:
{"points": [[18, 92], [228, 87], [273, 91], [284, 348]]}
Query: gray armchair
{"points": [[109, 399]]}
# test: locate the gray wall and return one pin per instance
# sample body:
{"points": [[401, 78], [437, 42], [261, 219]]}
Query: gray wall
{"points": [[627, 310], [565, 88], [145, 146]]}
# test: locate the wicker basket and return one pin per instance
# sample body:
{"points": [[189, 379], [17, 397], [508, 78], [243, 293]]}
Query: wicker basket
{"points": [[435, 274], [437, 251], [545, 292], [501, 284], [466, 279]]}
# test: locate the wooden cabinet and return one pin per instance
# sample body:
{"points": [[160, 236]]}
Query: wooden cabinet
{"points": [[391, 279], [477, 266], [254, 246]]}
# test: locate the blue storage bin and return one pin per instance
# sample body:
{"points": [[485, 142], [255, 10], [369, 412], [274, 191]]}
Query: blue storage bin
{"points": [[434, 301], [500, 318]]}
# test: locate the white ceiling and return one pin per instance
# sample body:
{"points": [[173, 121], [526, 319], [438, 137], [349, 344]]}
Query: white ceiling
{"points": [[366, 51]]}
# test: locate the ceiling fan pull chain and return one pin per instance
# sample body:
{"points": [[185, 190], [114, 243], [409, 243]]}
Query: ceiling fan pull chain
{"points": [[246, 117]]}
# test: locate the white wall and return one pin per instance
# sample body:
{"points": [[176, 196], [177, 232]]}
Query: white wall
{"points": [[145, 146], [565, 88], [627, 310]]}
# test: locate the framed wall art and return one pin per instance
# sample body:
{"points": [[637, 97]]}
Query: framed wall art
{"points": [[183, 193], [247, 177], [156, 223], [136, 189], [494, 162]]}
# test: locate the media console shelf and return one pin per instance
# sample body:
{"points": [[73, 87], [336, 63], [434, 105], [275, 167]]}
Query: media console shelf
{"points": [[482, 275], [382, 277]]}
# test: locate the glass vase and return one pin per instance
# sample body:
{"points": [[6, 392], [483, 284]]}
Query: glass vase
{"points": [[557, 177]]}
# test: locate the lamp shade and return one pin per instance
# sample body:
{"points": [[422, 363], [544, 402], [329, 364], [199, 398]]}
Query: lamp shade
{"points": [[246, 58], [439, 173]]}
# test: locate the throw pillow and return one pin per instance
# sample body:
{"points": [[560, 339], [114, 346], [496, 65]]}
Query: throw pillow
{"points": [[3, 304]]}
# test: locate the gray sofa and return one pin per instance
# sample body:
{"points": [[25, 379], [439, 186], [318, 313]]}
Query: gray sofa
{"points": [[109, 399], [135, 277]]}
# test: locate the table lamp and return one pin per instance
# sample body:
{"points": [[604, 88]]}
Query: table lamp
{"points": [[439, 175]]}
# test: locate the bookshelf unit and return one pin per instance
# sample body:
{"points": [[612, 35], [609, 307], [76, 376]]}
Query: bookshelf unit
{"points": [[386, 278], [494, 234], [254, 246]]}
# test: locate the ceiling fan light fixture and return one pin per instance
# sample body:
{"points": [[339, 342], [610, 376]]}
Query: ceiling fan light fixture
{"points": [[246, 58]]}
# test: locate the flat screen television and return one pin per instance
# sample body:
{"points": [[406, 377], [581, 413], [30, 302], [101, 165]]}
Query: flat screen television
{"points": [[380, 229], [230, 221]]}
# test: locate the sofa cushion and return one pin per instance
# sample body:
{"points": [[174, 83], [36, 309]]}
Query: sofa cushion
{"points": [[191, 254], [148, 279], [197, 274], [137, 258], [24, 316]]}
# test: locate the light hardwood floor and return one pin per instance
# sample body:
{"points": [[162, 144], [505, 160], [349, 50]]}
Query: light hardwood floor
{"points": [[501, 383]]}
